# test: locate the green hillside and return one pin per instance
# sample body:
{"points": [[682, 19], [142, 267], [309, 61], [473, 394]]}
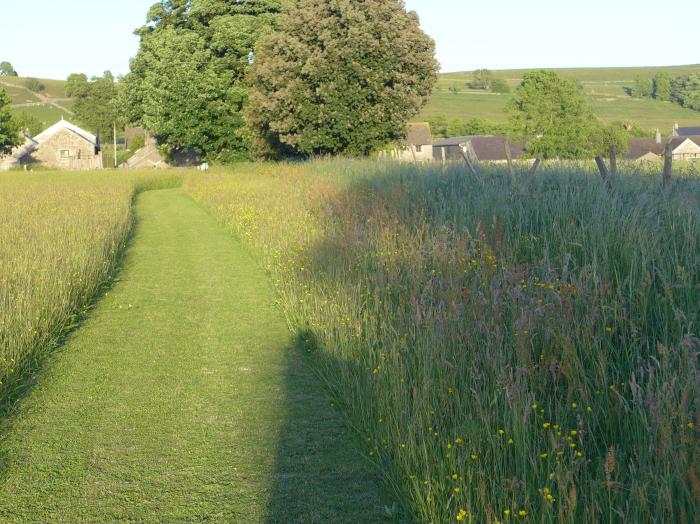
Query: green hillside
{"points": [[47, 106], [605, 86]]}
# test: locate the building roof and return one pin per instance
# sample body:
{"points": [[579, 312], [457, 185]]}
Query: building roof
{"points": [[493, 148], [688, 131], [454, 141], [677, 141], [419, 134], [487, 148], [640, 146], [64, 124]]}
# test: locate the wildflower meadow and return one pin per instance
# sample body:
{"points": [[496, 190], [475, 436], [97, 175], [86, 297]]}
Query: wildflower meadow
{"points": [[506, 352]]}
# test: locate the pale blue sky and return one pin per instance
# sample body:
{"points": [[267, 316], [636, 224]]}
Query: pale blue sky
{"points": [[52, 38]]}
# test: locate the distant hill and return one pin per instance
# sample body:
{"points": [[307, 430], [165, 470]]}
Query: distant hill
{"points": [[48, 106], [605, 86]]}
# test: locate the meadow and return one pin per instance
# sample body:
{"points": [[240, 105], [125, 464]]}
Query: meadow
{"points": [[507, 352], [60, 240], [503, 352]]}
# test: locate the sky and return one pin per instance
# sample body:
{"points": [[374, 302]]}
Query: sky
{"points": [[53, 38]]}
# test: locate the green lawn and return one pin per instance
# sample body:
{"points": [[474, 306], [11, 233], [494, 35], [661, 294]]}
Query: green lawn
{"points": [[182, 399]]}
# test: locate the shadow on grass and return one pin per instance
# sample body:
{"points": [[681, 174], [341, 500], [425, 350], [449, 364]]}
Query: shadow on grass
{"points": [[321, 475]]}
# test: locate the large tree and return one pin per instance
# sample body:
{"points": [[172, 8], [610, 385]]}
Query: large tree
{"points": [[94, 102], [9, 128], [187, 82], [554, 117], [6, 69], [340, 77]]}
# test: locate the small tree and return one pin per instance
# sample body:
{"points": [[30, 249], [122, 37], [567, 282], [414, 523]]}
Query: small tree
{"points": [[9, 128], [481, 79], [643, 87], [34, 84], [499, 85], [554, 118], [6, 69], [341, 77], [662, 87]]}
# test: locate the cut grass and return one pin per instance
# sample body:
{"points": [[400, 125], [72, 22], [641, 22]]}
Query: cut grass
{"points": [[182, 399]]}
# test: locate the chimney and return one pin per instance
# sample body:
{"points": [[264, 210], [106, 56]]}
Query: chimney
{"points": [[658, 136], [675, 129]]}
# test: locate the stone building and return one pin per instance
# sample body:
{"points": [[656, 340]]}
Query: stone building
{"points": [[477, 149], [416, 147], [62, 146]]}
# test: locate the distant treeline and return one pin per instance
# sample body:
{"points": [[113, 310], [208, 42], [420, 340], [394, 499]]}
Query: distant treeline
{"points": [[682, 90]]}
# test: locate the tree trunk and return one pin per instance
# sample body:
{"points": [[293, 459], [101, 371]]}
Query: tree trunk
{"points": [[668, 165]]}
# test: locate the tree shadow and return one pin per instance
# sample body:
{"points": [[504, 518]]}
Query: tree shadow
{"points": [[321, 475]]}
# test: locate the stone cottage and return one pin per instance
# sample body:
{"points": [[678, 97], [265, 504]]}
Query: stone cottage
{"points": [[416, 147], [62, 146]]}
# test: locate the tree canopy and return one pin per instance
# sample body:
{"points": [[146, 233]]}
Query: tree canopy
{"points": [[340, 77], [9, 128], [554, 117], [95, 102], [187, 82], [6, 69]]}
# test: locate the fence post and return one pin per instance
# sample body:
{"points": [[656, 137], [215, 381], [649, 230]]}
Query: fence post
{"points": [[613, 160], [668, 165], [600, 162], [469, 163], [509, 158]]}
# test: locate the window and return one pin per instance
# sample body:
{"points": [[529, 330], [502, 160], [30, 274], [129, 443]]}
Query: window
{"points": [[65, 153], [419, 149]]}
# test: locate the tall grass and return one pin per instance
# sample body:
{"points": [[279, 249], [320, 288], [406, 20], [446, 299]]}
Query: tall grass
{"points": [[509, 353], [60, 236]]}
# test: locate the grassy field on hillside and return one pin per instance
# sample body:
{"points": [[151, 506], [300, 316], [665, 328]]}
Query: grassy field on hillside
{"points": [[508, 353], [53, 88], [605, 87], [20, 96]]}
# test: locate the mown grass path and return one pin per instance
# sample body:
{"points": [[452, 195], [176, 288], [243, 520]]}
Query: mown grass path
{"points": [[181, 399]]}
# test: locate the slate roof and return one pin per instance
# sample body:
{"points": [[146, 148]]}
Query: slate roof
{"points": [[487, 148], [677, 141], [419, 135], [638, 147], [689, 131]]}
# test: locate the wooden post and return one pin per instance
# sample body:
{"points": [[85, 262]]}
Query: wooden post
{"points": [[469, 163], [509, 157], [668, 165], [613, 160], [600, 161], [533, 170]]}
